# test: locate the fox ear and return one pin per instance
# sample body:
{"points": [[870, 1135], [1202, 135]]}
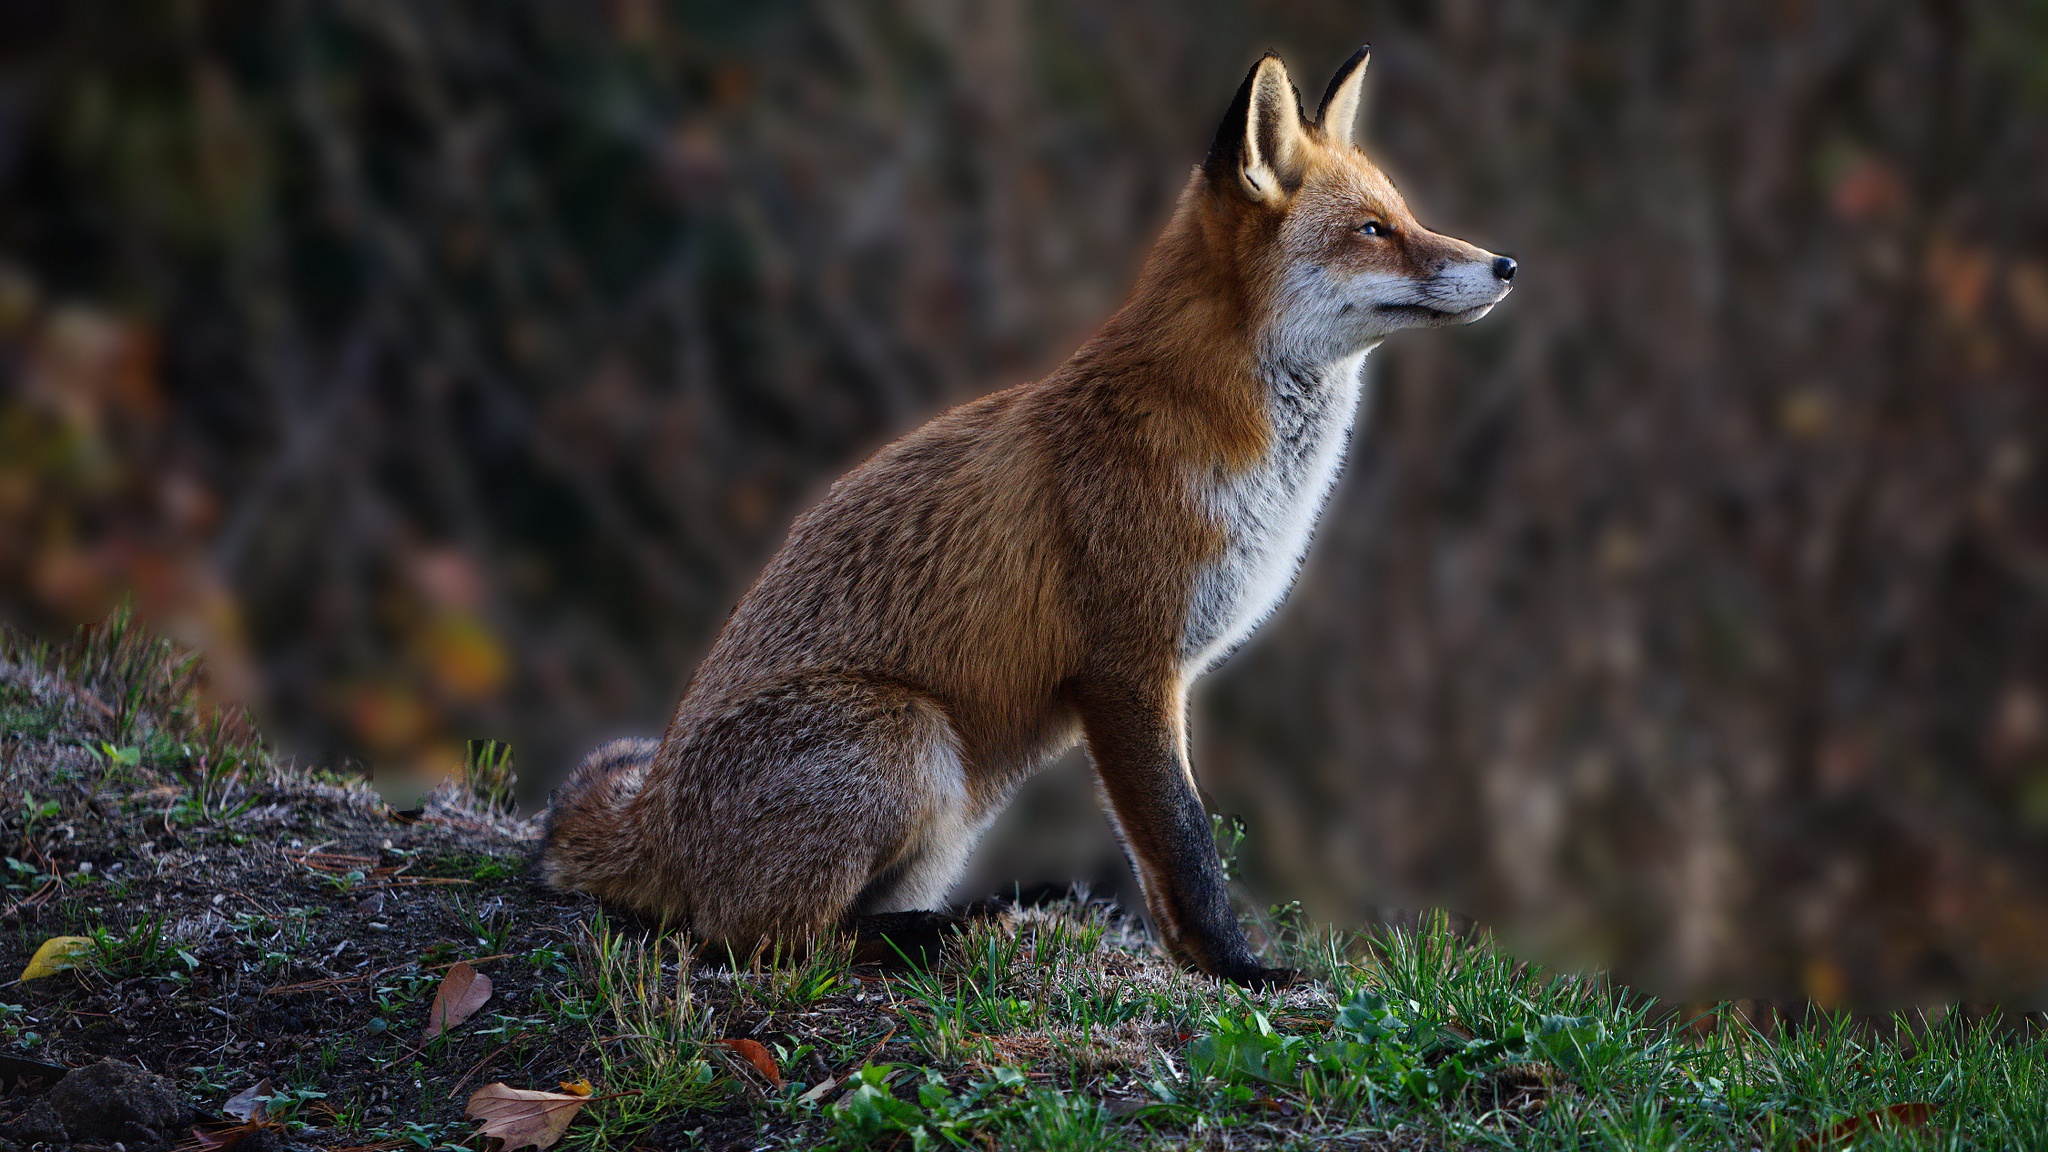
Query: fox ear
{"points": [[1260, 146], [1338, 116]]}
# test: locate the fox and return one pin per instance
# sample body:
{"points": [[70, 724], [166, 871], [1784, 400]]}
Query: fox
{"points": [[1057, 562]]}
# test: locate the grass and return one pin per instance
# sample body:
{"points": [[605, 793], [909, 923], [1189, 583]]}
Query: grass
{"points": [[485, 924], [141, 949], [1419, 1037], [137, 694], [1050, 1028], [26, 716], [480, 867], [791, 979], [1454, 1038], [651, 1035]]}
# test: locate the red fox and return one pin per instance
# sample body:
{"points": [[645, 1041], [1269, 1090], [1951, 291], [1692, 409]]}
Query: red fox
{"points": [[1055, 562]]}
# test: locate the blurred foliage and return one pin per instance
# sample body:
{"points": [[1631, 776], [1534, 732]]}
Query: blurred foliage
{"points": [[375, 344], [448, 368]]}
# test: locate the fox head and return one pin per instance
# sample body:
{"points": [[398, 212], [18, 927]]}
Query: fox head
{"points": [[1332, 257]]}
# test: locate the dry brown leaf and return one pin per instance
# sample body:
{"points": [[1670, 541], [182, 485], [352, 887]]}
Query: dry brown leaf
{"points": [[221, 1139], [244, 1105], [817, 1093], [753, 1053], [463, 990], [1908, 1117], [520, 1117]]}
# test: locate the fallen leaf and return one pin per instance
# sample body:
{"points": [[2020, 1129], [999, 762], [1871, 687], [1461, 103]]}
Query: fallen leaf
{"points": [[58, 954], [577, 1087], [753, 1053], [1915, 1115], [463, 990], [520, 1117], [818, 1093], [244, 1105], [221, 1139]]}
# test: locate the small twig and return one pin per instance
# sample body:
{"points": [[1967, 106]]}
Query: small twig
{"points": [[342, 981], [478, 1066], [35, 899], [870, 1054], [260, 905], [411, 882], [321, 861]]}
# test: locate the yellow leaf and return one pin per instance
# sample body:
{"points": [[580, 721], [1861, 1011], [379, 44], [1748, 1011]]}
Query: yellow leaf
{"points": [[578, 1087], [58, 954]]}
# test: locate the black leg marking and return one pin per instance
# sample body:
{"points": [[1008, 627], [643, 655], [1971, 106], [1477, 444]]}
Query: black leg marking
{"points": [[900, 939]]}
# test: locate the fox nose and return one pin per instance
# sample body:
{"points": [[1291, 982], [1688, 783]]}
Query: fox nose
{"points": [[1504, 267]]}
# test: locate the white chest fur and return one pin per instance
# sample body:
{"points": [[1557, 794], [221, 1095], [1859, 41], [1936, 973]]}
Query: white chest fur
{"points": [[1268, 512]]}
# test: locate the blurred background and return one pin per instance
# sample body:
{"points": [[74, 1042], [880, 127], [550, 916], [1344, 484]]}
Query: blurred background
{"points": [[447, 369]]}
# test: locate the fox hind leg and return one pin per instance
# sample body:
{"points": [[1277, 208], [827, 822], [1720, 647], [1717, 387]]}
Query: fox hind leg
{"points": [[814, 801]]}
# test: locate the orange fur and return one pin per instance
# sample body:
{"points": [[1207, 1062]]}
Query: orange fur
{"points": [[1054, 562]]}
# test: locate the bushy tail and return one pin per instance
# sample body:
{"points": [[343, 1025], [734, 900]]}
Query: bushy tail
{"points": [[588, 840]]}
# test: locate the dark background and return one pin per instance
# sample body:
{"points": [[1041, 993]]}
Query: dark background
{"points": [[447, 369]]}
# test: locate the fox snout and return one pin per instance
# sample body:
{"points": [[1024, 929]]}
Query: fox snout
{"points": [[1462, 286]]}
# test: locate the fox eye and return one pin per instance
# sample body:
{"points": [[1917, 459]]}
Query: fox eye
{"points": [[1372, 228]]}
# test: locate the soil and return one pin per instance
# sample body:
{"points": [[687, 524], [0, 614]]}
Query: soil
{"points": [[289, 931], [286, 933]]}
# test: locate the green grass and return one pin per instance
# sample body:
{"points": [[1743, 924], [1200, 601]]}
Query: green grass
{"points": [[480, 867], [25, 716], [484, 925], [791, 979], [1002, 1109], [141, 949], [1422, 1036], [1425, 1038], [1458, 1040], [651, 1035]]}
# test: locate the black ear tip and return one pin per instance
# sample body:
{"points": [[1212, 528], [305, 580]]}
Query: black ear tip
{"points": [[1348, 68], [1222, 158]]}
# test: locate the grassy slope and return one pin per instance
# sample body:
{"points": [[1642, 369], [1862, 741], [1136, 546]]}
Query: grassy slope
{"points": [[228, 950]]}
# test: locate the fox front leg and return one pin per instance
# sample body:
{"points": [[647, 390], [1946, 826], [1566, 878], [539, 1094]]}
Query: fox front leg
{"points": [[1137, 741]]}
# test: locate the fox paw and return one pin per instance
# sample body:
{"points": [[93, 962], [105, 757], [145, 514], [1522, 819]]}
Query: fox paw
{"points": [[1264, 978], [904, 939]]}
